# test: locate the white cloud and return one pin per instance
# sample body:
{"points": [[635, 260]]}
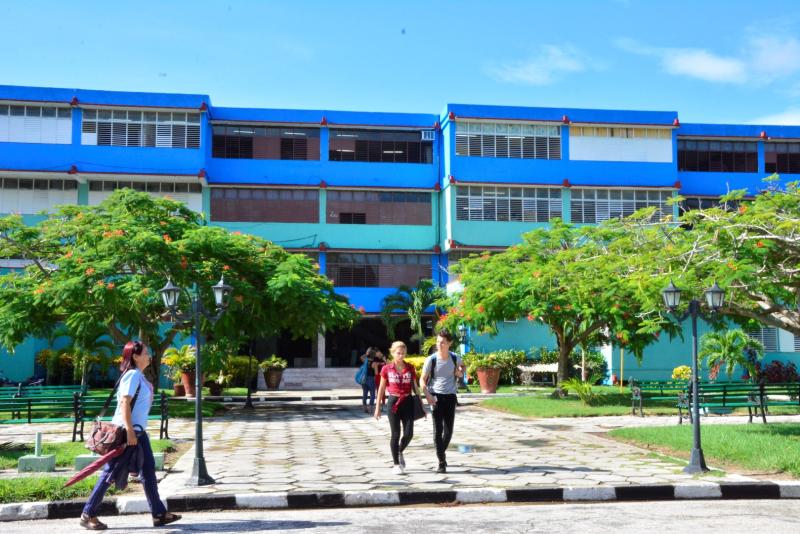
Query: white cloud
{"points": [[543, 68], [693, 62], [789, 117], [703, 65], [774, 57]]}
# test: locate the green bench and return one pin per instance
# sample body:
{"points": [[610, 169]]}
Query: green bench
{"points": [[661, 390], [59, 409], [757, 398], [51, 391], [88, 408]]}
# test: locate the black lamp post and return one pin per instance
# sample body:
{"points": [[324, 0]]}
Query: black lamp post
{"points": [[715, 297], [170, 294]]}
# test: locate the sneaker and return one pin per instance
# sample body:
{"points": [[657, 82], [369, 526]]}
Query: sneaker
{"points": [[402, 461], [398, 470], [92, 523], [442, 468]]}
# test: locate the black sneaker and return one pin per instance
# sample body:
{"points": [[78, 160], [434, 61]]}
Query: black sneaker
{"points": [[442, 468]]}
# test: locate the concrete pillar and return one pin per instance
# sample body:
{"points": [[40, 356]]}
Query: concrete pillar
{"points": [[320, 350]]}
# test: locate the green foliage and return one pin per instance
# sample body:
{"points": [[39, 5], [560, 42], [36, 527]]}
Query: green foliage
{"points": [[273, 362], [682, 372], [577, 281], [596, 364], [411, 302], [505, 360], [58, 365], [237, 370], [104, 264], [748, 246], [429, 345], [45, 488], [416, 361], [582, 389], [730, 348], [181, 359]]}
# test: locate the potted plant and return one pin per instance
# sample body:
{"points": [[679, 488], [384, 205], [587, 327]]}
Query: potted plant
{"points": [[182, 359], [177, 385], [487, 367], [217, 383], [273, 370]]}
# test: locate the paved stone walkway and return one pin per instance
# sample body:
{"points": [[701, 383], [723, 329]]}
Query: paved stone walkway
{"points": [[334, 446]]}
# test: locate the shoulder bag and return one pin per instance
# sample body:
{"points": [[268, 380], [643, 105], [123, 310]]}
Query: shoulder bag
{"points": [[106, 436]]}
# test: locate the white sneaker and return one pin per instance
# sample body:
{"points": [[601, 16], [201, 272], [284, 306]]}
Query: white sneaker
{"points": [[402, 461], [398, 470]]}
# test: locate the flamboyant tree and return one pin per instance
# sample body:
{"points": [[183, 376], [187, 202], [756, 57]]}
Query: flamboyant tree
{"points": [[577, 281], [104, 264], [749, 246]]}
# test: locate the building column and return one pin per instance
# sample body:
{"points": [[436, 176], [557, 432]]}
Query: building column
{"points": [[320, 350]]}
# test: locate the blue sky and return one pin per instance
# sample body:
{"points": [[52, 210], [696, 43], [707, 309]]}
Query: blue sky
{"points": [[712, 61]]}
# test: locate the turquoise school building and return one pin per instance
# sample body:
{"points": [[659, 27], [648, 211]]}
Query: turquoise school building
{"points": [[378, 199]]}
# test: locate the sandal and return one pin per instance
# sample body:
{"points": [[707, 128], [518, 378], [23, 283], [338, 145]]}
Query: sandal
{"points": [[92, 523], [165, 519]]}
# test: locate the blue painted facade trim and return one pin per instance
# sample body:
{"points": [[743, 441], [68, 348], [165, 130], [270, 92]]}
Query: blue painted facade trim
{"points": [[574, 115], [334, 118], [102, 98]]}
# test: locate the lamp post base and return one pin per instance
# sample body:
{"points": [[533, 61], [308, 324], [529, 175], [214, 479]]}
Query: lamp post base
{"points": [[697, 464], [248, 403], [200, 476]]}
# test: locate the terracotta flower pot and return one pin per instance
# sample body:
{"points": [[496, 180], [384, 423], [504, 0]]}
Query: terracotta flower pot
{"points": [[188, 383], [179, 390], [273, 377], [488, 379]]}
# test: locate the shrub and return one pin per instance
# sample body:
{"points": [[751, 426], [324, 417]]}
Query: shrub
{"points": [[235, 371], [416, 361], [59, 366], [582, 389], [776, 371], [682, 372], [180, 359], [505, 360]]}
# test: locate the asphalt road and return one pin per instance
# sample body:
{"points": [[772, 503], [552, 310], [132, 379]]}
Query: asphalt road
{"points": [[697, 517]]}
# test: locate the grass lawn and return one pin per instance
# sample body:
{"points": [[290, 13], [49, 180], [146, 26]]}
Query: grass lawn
{"points": [[65, 452], [51, 488], [609, 401], [770, 448]]}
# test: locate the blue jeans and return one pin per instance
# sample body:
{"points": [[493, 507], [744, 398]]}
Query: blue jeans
{"points": [[149, 482], [368, 387]]}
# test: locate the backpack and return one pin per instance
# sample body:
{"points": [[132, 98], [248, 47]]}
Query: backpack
{"points": [[361, 374]]}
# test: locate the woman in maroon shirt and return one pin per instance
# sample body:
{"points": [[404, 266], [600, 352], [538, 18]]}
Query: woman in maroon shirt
{"points": [[398, 379]]}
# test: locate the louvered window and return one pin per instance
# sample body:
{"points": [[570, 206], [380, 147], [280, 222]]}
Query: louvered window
{"points": [[377, 270], [379, 146], [797, 343], [718, 156], [504, 140], [264, 205], [598, 205], [783, 158], [768, 336], [35, 124], [120, 127], [378, 207], [25, 195], [520, 204], [255, 142]]}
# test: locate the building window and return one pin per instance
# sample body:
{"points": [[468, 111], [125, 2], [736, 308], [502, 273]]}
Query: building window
{"points": [[797, 343], [188, 193], [380, 146], [26, 195], [35, 124], [377, 270], [120, 127], [717, 156], [782, 158], [252, 142], [598, 205], [502, 140], [622, 133], [522, 204], [231, 204], [378, 207], [767, 336]]}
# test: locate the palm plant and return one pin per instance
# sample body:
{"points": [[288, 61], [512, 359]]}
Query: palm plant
{"points": [[730, 348], [413, 302], [87, 347]]}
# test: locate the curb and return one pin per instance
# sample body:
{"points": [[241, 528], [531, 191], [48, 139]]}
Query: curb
{"points": [[339, 499]]}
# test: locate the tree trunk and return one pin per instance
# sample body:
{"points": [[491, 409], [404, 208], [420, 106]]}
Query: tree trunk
{"points": [[84, 372], [563, 366]]}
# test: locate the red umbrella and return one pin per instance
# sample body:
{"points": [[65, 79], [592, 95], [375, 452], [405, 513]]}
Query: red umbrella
{"points": [[97, 464]]}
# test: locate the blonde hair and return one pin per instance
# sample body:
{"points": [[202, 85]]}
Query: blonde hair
{"points": [[397, 345]]}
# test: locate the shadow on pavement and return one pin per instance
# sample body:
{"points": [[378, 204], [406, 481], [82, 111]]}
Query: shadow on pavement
{"points": [[245, 525]]}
